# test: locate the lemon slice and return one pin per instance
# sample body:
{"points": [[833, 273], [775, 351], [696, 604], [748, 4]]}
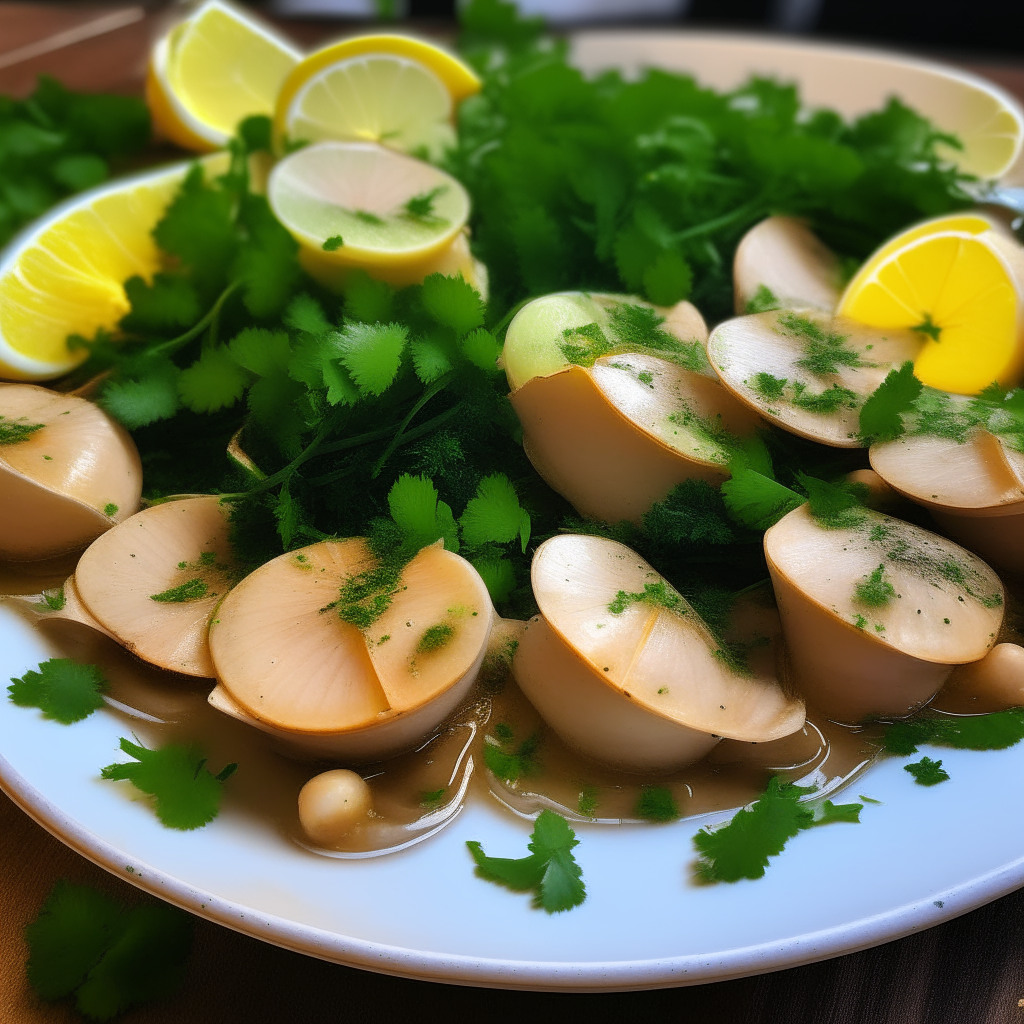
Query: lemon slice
{"points": [[213, 70], [371, 205], [395, 90], [963, 292], [65, 275]]}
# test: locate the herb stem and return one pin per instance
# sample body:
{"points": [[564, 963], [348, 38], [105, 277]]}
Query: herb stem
{"points": [[436, 388], [709, 226], [214, 312]]}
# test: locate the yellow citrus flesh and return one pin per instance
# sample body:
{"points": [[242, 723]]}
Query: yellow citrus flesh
{"points": [[212, 71], [391, 89], [963, 292], [358, 191], [66, 276]]}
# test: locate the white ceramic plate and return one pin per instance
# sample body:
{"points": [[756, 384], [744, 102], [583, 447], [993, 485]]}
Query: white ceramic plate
{"points": [[920, 857]]}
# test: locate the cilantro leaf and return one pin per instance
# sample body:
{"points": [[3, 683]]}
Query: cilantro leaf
{"points": [[494, 515], [419, 515], [668, 279], [761, 301], [742, 848], [996, 731], [261, 351], [498, 574], [111, 959], [186, 795], [74, 927], [368, 300], [481, 348], [550, 871], [831, 812], [305, 314], [150, 396], [881, 416], [62, 689], [834, 505], [430, 358], [452, 302], [212, 382], [372, 354], [927, 772], [164, 306], [757, 502]]}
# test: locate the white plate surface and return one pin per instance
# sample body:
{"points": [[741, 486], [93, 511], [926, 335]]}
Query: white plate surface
{"points": [[920, 857]]}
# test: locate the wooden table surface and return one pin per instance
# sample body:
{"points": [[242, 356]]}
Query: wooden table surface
{"points": [[969, 971]]}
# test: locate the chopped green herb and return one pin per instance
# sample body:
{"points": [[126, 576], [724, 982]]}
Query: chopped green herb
{"points": [[836, 506], [874, 590], [109, 959], [859, 621], [928, 328], [656, 803], [333, 244], [186, 795], [825, 351], [432, 799], [823, 403], [927, 772], [659, 594], [191, 590], [512, 764], [62, 689], [421, 206], [110, 509], [16, 431], [53, 600], [435, 637], [770, 387], [757, 501], [550, 871], [762, 301], [588, 801]]}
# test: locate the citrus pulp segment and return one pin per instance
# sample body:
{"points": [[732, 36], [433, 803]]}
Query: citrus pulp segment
{"points": [[66, 274], [364, 193], [383, 88], [213, 70], [963, 293]]}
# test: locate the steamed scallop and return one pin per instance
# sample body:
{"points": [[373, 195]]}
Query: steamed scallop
{"points": [[333, 653], [783, 256], [974, 488], [877, 612], [617, 402], [627, 673], [805, 371], [153, 581], [68, 472]]}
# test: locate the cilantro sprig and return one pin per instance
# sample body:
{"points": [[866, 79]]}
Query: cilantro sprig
{"points": [[109, 959], [744, 847], [550, 871], [185, 794]]}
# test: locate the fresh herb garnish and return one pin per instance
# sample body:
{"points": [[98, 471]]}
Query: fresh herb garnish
{"points": [[762, 301], [435, 637], [874, 590], [190, 590], [186, 795], [62, 689], [16, 431], [742, 848], [927, 772], [550, 871], [108, 958], [825, 351], [967, 732], [659, 595], [656, 803], [508, 762]]}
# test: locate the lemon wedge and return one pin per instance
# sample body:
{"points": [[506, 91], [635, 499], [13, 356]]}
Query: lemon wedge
{"points": [[363, 205], [211, 71], [391, 89], [962, 291], [65, 275]]}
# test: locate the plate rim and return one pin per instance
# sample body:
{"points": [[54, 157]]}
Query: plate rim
{"points": [[518, 975]]}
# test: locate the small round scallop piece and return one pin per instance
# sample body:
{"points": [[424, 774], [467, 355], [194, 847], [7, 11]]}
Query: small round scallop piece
{"points": [[613, 428], [783, 255], [288, 664], [154, 581], [332, 804], [805, 371], [876, 612], [995, 683], [626, 672], [68, 472]]}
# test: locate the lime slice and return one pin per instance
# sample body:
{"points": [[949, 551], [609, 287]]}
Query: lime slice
{"points": [[366, 205]]}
